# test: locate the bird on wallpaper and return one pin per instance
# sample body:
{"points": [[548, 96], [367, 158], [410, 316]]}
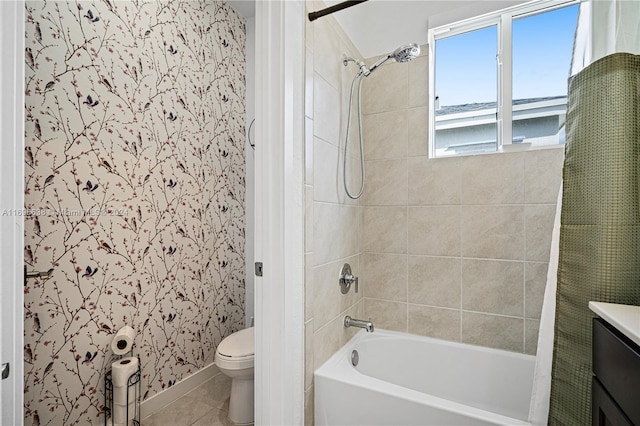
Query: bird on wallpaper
{"points": [[89, 272], [105, 327], [182, 232], [172, 183], [139, 287], [172, 117], [225, 43], [89, 187], [28, 354], [182, 37], [28, 53], [106, 165], [106, 83], [88, 357], [36, 225], [224, 209], [49, 85], [28, 254], [89, 15], [36, 419], [224, 153], [171, 317], [182, 167], [36, 323], [146, 251], [90, 101], [139, 213], [28, 155], [134, 299], [172, 49], [105, 246], [38, 129], [225, 98], [38, 33], [134, 224], [171, 250], [48, 180], [47, 369]]}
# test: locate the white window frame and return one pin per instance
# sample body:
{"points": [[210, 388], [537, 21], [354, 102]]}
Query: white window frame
{"points": [[503, 19]]}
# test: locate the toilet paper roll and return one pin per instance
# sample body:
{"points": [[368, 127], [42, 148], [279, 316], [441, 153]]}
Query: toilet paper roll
{"points": [[122, 369], [123, 340]]}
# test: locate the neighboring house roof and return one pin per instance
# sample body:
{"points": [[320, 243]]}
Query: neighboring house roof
{"points": [[480, 106]]}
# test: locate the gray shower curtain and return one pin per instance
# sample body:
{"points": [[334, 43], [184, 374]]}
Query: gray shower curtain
{"points": [[600, 225]]}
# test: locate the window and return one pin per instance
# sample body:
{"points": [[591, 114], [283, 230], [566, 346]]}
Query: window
{"points": [[501, 79]]}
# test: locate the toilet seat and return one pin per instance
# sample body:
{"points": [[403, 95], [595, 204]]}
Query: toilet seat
{"points": [[236, 351]]}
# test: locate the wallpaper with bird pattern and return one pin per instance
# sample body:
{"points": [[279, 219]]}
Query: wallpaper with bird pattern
{"points": [[134, 192]]}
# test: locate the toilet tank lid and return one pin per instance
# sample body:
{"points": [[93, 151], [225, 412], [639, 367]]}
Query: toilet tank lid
{"points": [[237, 344]]}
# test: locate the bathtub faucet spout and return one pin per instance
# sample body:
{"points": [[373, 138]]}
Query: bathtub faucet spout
{"points": [[352, 322]]}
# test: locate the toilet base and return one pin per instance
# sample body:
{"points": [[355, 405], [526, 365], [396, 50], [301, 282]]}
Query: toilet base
{"points": [[241, 401]]}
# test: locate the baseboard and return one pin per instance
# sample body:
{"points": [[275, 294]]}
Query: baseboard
{"points": [[160, 400]]}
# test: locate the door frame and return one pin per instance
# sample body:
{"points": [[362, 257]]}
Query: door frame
{"points": [[11, 208], [279, 293]]}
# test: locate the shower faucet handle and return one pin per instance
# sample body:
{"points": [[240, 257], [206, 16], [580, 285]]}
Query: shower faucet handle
{"points": [[346, 278]]}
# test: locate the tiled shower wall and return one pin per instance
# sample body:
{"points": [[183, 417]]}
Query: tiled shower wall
{"points": [[134, 141], [333, 234], [454, 248]]}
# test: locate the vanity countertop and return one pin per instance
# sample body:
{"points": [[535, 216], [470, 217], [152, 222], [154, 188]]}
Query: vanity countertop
{"points": [[625, 318]]}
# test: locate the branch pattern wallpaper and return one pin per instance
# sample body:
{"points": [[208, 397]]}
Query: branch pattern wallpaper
{"points": [[134, 193]]}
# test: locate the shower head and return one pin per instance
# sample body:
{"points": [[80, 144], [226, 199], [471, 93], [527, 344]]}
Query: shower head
{"points": [[406, 53], [401, 54]]}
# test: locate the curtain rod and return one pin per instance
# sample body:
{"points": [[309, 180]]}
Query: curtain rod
{"points": [[329, 10]]}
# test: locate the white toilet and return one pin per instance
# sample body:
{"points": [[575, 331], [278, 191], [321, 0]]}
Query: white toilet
{"points": [[234, 357]]}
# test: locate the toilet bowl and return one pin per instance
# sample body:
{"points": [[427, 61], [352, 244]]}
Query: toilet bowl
{"points": [[234, 357]]}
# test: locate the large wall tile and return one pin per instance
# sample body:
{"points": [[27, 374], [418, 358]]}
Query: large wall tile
{"points": [[308, 286], [308, 354], [384, 276], [539, 227], [419, 81], [434, 181], [326, 167], [385, 134], [493, 179], [535, 275], [326, 111], [327, 56], [326, 341], [494, 232], [386, 183], [543, 174], [386, 315], [434, 230], [434, 322], [493, 331], [418, 133], [386, 89], [434, 281], [531, 329], [336, 232], [385, 229], [493, 286]]}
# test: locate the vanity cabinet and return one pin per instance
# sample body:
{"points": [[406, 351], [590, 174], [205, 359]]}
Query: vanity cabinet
{"points": [[616, 380]]}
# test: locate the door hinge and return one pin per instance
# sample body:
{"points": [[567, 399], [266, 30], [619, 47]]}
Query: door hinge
{"points": [[258, 267]]}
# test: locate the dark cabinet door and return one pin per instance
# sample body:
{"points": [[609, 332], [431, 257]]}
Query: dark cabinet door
{"points": [[605, 411]]}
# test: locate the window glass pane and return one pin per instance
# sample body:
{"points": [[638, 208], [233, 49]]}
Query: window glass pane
{"points": [[466, 93], [542, 49]]}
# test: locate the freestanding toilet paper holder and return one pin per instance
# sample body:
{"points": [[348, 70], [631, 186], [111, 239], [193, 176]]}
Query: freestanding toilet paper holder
{"points": [[132, 419]]}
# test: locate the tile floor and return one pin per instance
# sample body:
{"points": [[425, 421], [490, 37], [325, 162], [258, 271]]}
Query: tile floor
{"points": [[206, 405]]}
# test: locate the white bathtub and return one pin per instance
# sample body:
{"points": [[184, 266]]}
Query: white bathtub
{"points": [[402, 379]]}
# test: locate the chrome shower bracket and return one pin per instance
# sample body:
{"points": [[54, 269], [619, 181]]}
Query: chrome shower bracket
{"points": [[346, 279]]}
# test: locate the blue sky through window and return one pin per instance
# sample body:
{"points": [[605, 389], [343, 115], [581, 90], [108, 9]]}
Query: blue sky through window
{"points": [[465, 68]]}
